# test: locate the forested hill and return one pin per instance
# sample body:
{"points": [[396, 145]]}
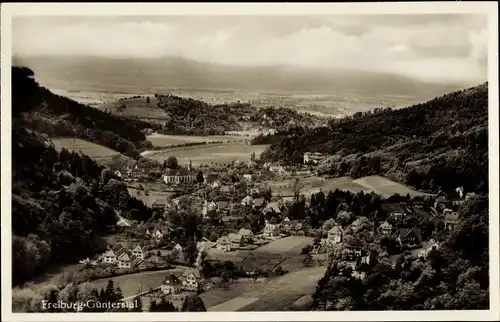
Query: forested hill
{"points": [[442, 143], [55, 115], [62, 202]]}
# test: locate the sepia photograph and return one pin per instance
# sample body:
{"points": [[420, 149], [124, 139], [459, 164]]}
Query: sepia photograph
{"points": [[197, 159]]}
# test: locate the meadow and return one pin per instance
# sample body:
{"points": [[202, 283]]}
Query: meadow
{"points": [[223, 153], [313, 184], [162, 140], [78, 145]]}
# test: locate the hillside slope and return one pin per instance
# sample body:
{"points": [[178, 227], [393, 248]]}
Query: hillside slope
{"points": [[442, 143], [59, 116]]}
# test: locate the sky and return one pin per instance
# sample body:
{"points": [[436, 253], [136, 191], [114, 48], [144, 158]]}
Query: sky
{"points": [[438, 48]]}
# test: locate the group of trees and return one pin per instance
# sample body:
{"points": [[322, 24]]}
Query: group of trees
{"points": [[60, 201], [191, 304], [454, 277], [444, 140], [56, 115]]}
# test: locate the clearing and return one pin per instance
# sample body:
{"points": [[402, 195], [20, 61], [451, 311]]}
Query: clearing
{"points": [[386, 187], [163, 140], [274, 294], [131, 284], [93, 150], [136, 107], [223, 153]]}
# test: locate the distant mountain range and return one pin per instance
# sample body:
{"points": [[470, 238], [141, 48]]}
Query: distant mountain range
{"points": [[151, 75]]}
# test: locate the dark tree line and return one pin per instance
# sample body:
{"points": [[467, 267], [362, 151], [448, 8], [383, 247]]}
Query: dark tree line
{"points": [[62, 203]]}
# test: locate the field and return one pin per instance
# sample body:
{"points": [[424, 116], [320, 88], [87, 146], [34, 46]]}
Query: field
{"points": [[223, 153], [148, 200], [313, 184], [386, 187], [91, 149], [275, 294], [131, 284], [162, 140], [136, 107]]}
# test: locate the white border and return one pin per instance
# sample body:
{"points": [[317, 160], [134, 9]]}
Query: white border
{"points": [[149, 9]]}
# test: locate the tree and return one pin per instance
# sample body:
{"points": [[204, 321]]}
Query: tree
{"points": [[148, 100], [193, 304], [172, 162], [307, 261], [190, 252], [199, 177], [153, 307]]}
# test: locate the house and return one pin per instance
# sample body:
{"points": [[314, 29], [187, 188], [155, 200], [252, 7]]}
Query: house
{"points": [[178, 176], [247, 201], [246, 233], [277, 169], [451, 219], [224, 244], [438, 221], [386, 228], [159, 204], [470, 195], [112, 253], [118, 174], [352, 251], [127, 260], [335, 235], [191, 280], [272, 208], [258, 203], [215, 184], [178, 247], [428, 247], [138, 252], [212, 206], [223, 205], [210, 178], [171, 285], [148, 233], [410, 237], [247, 176], [225, 189], [313, 158], [271, 230], [158, 235], [203, 245], [394, 211]]}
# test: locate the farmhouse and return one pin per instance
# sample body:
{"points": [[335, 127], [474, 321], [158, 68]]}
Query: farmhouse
{"points": [[335, 235], [410, 237], [191, 279], [210, 177], [158, 235], [138, 252], [178, 176], [394, 211], [428, 247], [225, 189], [352, 251], [272, 208], [178, 248], [112, 253], [224, 244], [159, 204], [313, 158], [127, 260], [258, 203], [247, 177], [386, 228], [271, 230], [451, 219], [247, 201], [171, 285]]}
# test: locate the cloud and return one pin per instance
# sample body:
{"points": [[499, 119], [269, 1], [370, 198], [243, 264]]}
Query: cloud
{"points": [[429, 47]]}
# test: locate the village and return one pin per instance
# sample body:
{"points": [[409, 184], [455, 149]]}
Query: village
{"points": [[237, 214]]}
